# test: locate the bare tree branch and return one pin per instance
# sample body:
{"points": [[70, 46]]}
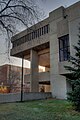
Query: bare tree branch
{"points": [[16, 12], [5, 6]]}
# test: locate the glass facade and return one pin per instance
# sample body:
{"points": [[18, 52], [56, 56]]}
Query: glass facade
{"points": [[64, 48]]}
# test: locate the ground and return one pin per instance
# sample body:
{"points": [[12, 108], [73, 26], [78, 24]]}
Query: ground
{"points": [[38, 110]]}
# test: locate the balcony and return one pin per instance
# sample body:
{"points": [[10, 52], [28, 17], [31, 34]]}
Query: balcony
{"points": [[23, 43], [43, 77]]}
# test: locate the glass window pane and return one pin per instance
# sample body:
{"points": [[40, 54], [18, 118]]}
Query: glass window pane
{"points": [[64, 49]]}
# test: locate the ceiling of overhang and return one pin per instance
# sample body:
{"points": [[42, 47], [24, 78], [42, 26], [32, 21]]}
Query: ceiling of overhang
{"points": [[44, 57]]}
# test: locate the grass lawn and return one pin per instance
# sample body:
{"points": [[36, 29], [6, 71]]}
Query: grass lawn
{"points": [[38, 110]]}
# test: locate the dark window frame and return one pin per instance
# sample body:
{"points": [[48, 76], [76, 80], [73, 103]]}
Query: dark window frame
{"points": [[64, 48]]}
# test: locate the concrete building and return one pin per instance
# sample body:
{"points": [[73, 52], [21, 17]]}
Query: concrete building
{"points": [[49, 43]]}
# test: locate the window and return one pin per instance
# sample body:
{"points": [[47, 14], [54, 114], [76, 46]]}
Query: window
{"points": [[29, 37], [47, 28], [32, 35], [64, 48], [42, 30], [38, 32]]}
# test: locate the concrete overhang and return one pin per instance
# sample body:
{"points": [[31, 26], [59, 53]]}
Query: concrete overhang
{"points": [[24, 49], [37, 44]]}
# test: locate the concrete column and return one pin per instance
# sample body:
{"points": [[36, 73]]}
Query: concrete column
{"points": [[34, 72], [58, 82]]}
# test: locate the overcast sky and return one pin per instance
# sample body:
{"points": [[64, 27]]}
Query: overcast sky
{"points": [[50, 5], [47, 6]]}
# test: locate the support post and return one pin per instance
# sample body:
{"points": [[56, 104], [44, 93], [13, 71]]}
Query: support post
{"points": [[22, 79], [34, 71]]}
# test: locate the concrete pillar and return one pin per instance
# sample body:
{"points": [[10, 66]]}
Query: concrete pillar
{"points": [[58, 82], [34, 72]]}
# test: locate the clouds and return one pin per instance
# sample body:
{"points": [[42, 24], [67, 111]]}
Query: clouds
{"points": [[50, 5]]}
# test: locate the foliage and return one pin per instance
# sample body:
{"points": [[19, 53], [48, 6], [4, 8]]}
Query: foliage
{"points": [[14, 79], [74, 77]]}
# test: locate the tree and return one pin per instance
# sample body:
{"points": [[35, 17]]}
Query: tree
{"points": [[74, 77], [16, 12], [14, 80]]}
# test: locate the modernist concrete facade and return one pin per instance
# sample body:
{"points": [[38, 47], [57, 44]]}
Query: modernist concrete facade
{"points": [[49, 43]]}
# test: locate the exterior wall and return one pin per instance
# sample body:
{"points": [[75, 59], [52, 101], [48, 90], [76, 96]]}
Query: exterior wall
{"points": [[43, 76], [62, 27], [72, 28], [30, 44], [62, 21], [14, 97], [14, 81], [58, 82], [3, 74], [74, 32], [58, 86], [10, 76]]}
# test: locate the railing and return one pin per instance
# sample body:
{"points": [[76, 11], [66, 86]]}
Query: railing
{"points": [[43, 76], [33, 35]]}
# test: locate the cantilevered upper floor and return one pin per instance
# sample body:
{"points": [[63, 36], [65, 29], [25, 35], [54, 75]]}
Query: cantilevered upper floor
{"points": [[49, 43], [38, 36], [32, 37]]}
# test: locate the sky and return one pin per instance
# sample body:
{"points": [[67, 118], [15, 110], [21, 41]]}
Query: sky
{"points": [[46, 6], [49, 5]]}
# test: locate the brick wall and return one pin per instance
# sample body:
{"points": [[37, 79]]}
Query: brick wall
{"points": [[11, 76], [3, 74]]}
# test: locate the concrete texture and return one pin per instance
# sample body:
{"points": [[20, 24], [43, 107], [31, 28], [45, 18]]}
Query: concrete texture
{"points": [[15, 97], [34, 72], [62, 21]]}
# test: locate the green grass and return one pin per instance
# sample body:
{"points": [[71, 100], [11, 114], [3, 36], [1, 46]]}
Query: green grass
{"points": [[39, 110]]}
